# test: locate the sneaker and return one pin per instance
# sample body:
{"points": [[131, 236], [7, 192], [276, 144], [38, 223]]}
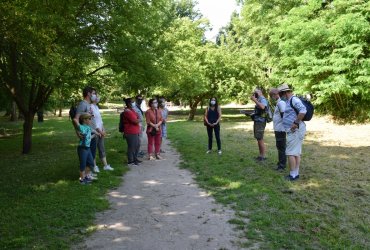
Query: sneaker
{"points": [[92, 177], [108, 167], [138, 161], [84, 182], [291, 178], [96, 169], [87, 179], [260, 158], [151, 158], [279, 168], [208, 151], [219, 152], [162, 151], [158, 157]]}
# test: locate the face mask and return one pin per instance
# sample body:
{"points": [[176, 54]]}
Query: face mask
{"points": [[97, 99], [283, 98], [213, 102], [133, 104], [93, 98], [155, 105]]}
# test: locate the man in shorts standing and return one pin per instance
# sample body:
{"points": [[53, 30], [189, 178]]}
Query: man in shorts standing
{"points": [[295, 128], [259, 124]]}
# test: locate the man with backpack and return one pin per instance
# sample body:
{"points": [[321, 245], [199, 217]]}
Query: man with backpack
{"points": [[295, 128], [259, 118]]}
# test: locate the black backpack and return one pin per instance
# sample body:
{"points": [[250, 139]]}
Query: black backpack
{"points": [[72, 112], [309, 107], [120, 124]]}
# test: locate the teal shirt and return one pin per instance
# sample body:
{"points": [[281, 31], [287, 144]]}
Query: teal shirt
{"points": [[86, 131]]}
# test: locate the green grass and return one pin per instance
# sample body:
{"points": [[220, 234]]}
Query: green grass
{"points": [[42, 205], [328, 208]]}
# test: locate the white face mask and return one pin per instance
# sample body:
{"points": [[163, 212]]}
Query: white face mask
{"points": [[213, 102], [155, 105], [133, 104], [93, 98]]}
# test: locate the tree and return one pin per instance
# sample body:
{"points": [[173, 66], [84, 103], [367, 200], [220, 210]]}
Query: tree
{"points": [[44, 45]]}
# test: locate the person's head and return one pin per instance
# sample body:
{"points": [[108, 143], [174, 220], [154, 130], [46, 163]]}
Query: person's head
{"points": [[257, 92], [153, 103], [162, 102], [213, 102], [85, 118], [129, 101], [139, 100], [285, 92], [87, 92], [274, 94]]}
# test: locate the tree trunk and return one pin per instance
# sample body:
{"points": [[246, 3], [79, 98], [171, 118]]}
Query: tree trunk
{"points": [[193, 109], [60, 112], [27, 132], [13, 112]]}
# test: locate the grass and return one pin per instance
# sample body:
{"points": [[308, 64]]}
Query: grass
{"points": [[328, 208], [43, 206]]}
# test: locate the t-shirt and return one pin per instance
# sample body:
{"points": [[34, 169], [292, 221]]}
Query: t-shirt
{"points": [[129, 118], [277, 119], [85, 107], [86, 132], [97, 116], [290, 115], [259, 111]]}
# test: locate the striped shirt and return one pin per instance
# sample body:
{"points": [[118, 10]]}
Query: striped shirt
{"points": [[290, 115]]}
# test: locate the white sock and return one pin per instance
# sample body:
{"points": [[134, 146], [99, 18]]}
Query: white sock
{"points": [[292, 173], [297, 171]]}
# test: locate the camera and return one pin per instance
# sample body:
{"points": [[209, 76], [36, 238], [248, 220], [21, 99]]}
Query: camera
{"points": [[256, 94]]}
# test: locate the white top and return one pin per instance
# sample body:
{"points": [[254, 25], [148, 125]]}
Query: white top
{"points": [[277, 120], [97, 117]]}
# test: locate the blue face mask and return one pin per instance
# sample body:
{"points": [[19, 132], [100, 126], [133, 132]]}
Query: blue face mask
{"points": [[283, 98]]}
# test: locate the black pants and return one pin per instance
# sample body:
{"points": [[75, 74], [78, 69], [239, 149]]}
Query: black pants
{"points": [[281, 146], [217, 135]]}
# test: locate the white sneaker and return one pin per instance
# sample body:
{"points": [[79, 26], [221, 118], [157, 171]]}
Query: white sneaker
{"points": [[219, 152], [209, 151], [92, 177], [108, 167], [96, 169]]}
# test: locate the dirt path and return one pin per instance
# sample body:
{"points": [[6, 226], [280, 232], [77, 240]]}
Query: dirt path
{"points": [[159, 207]]}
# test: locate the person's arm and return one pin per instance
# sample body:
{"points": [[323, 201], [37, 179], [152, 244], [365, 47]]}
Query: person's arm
{"points": [[261, 105], [147, 117], [131, 117], [301, 112], [281, 106], [206, 115], [219, 115]]}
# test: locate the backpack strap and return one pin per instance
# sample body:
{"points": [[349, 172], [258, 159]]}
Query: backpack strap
{"points": [[291, 104]]}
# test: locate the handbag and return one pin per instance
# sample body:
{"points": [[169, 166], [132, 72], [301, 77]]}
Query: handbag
{"points": [[153, 131]]}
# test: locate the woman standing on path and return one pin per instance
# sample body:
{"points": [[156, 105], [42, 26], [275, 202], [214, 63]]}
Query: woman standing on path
{"points": [[164, 111], [212, 119], [154, 120], [131, 130]]}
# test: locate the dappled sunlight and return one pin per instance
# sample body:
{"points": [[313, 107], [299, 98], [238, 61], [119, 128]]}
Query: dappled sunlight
{"points": [[308, 185], [340, 156], [175, 213], [173, 121], [117, 226], [118, 195], [203, 194], [240, 125], [194, 237], [152, 182]]}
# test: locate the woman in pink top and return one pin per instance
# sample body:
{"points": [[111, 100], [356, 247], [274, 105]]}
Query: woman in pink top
{"points": [[154, 120]]}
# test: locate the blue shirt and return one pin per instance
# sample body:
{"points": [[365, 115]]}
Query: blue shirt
{"points": [[258, 111], [290, 115], [86, 132]]}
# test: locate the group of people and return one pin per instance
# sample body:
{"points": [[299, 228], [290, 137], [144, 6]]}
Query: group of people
{"points": [[289, 127], [89, 128], [134, 127]]}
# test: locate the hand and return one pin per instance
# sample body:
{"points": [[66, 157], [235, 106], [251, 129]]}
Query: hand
{"points": [[79, 134], [253, 98], [294, 127]]}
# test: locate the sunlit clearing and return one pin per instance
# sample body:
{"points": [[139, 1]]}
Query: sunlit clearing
{"points": [[48, 133], [234, 185], [137, 197], [340, 156], [175, 121], [152, 182], [194, 237], [240, 126]]}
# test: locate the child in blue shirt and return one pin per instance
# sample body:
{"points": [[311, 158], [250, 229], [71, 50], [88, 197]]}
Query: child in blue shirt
{"points": [[83, 149]]}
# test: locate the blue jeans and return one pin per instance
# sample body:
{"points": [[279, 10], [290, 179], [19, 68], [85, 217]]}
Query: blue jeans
{"points": [[85, 156]]}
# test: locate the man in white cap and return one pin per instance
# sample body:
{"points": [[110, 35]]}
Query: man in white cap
{"points": [[295, 128]]}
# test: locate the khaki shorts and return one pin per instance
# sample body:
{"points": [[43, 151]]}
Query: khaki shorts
{"points": [[259, 130], [294, 141]]}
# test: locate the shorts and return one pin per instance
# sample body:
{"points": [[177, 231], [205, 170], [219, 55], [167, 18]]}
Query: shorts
{"points": [[259, 130], [294, 141]]}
